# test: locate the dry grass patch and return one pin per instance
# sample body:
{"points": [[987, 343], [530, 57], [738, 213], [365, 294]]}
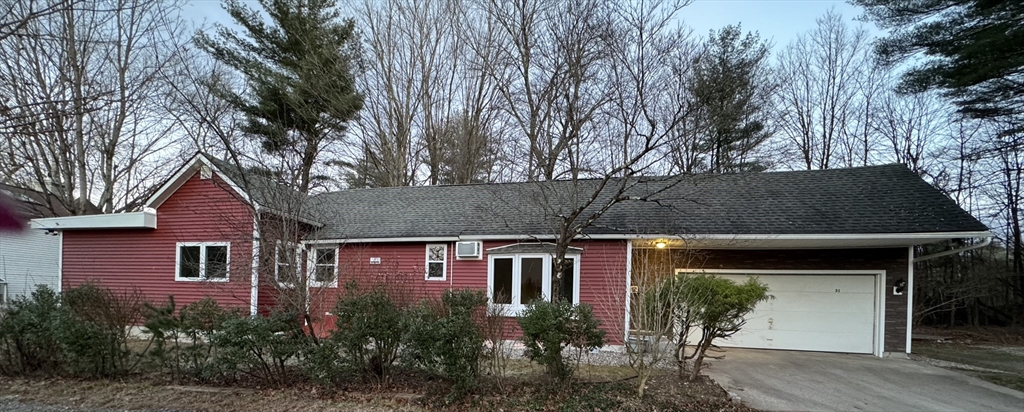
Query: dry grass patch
{"points": [[990, 348], [131, 395], [596, 388]]}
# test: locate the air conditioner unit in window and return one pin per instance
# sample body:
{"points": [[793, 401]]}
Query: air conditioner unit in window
{"points": [[468, 250]]}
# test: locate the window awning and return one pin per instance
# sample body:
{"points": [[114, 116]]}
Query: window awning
{"points": [[539, 248]]}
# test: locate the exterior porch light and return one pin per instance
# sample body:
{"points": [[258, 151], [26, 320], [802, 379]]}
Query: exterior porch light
{"points": [[660, 245]]}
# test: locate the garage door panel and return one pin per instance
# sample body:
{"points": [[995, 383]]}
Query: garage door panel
{"points": [[811, 321], [831, 302], [849, 342], [808, 314], [811, 283]]}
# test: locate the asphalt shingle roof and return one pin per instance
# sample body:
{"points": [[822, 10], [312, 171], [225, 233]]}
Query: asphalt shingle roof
{"points": [[264, 190], [864, 200]]}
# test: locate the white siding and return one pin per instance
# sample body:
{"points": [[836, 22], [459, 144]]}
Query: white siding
{"points": [[27, 259]]}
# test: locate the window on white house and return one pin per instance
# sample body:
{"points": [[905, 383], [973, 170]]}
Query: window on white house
{"points": [[203, 261], [516, 280], [437, 262], [288, 263], [325, 267]]}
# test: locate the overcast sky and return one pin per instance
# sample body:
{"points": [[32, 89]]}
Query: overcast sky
{"points": [[779, 21]]}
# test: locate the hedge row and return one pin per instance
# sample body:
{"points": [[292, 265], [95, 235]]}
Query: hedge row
{"points": [[84, 332]]}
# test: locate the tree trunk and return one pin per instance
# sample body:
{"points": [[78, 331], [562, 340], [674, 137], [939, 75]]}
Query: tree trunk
{"points": [[699, 359]]}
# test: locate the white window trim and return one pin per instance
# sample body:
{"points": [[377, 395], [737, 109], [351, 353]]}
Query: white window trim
{"points": [[444, 263], [311, 265], [202, 262], [277, 259], [516, 307]]}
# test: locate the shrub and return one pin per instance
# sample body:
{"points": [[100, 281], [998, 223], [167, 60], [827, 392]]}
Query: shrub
{"points": [[324, 363], [495, 328], [446, 339], [182, 339], [717, 306], [370, 328], [551, 327], [259, 347], [30, 332], [83, 333], [95, 340]]}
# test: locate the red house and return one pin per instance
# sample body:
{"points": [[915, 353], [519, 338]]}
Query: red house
{"points": [[834, 246]]}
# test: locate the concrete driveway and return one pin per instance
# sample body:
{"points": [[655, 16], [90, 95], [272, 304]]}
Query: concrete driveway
{"points": [[812, 381]]}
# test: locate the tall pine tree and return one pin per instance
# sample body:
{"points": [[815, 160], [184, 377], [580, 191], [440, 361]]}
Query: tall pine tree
{"points": [[972, 50], [298, 68], [731, 88]]}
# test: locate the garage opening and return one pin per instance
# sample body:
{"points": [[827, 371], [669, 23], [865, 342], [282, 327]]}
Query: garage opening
{"points": [[812, 311]]}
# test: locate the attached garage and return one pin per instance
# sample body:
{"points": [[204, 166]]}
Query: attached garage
{"points": [[826, 311]]}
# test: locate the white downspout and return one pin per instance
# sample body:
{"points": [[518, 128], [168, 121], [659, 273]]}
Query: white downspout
{"points": [[983, 243], [910, 298], [254, 285], [60, 262], [629, 281]]}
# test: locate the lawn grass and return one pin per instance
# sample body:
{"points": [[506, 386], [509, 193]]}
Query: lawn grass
{"points": [[1009, 380], [1009, 360]]}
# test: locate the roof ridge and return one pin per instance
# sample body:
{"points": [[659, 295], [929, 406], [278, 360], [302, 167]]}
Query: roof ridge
{"points": [[693, 175]]}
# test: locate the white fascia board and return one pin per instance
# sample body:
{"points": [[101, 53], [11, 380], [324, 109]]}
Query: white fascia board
{"points": [[134, 220], [723, 241], [183, 174], [857, 236], [382, 240], [809, 241], [545, 236], [840, 236]]}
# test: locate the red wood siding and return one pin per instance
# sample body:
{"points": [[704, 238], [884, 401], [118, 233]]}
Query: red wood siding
{"points": [[602, 277], [202, 210], [275, 229]]}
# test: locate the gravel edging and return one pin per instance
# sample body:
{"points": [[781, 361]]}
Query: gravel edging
{"points": [[600, 357]]}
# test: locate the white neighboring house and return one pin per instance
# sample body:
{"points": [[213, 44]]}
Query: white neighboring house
{"points": [[27, 259], [31, 257]]}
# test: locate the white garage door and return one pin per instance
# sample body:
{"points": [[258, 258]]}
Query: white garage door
{"points": [[829, 313]]}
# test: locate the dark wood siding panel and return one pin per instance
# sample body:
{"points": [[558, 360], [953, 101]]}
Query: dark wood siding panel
{"points": [[202, 210]]}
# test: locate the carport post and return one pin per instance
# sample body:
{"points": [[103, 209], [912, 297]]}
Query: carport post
{"points": [[629, 281], [910, 295]]}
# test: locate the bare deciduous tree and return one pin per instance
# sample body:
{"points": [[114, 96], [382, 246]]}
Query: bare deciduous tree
{"points": [[430, 110], [820, 76], [547, 62], [910, 126], [83, 84]]}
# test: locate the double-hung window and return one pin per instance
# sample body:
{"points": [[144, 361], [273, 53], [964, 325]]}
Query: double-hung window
{"points": [[323, 264], [516, 279], [288, 264], [199, 261], [437, 262]]}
